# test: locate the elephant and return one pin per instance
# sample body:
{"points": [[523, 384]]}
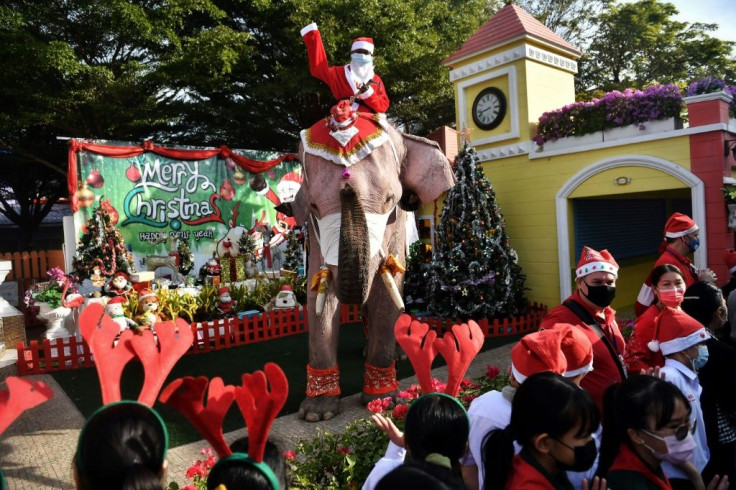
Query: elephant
{"points": [[352, 204]]}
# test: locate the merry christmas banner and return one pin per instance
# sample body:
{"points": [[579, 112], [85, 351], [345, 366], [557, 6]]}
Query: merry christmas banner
{"points": [[159, 196]]}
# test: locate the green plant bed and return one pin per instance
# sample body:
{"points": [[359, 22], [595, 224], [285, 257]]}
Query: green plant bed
{"points": [[82, 385]]}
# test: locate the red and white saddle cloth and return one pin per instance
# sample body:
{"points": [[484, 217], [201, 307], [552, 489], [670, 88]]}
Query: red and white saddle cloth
{"points": [[345, 136]]}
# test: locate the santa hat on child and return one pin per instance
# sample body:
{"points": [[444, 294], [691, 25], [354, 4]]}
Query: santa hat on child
{"points": [[362, 43], [146, 293], [729, 256], [538, 352], [593, 261], [679, 225], [577, 349], [223, 290], [676, 331]]}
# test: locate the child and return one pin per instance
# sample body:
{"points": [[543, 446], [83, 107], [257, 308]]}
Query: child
{"points": [[236, 471], [436, 432], [534, 353], [681, 339], [122, 445], [553, 421], [416, 474], [645, 416]]}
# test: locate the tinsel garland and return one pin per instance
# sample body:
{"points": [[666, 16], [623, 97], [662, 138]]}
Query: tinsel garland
{"points": [[487, 279]]}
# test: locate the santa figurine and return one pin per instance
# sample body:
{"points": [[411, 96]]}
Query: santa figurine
{"points": [[114, 309], [148, 314], [225, 303], [119, 285]]}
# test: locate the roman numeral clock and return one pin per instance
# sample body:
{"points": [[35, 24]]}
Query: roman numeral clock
{"points": [[489, 108]]}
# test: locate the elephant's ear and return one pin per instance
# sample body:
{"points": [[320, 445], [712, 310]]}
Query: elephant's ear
{"points": [[300, 206], [426, 171]]}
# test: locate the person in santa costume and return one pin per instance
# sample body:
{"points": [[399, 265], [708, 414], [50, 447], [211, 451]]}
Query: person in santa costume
{"points": [[356, 79], [589, 310], [681, 340], [680, 239], [553, 421]]}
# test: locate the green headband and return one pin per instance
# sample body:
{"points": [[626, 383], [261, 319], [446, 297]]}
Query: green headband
{"points": [[103, 408], [258, 465]]}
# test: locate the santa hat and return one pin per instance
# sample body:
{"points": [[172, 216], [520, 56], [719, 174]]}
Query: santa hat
{"points": [[538, 352], [577, 349], [342, 115], [593, 261], [362, 43], [223, 290], [120, 274], [116, 300], [679, 225], [286, 287], [729, 256], [146, 293], [676, 331], [291, 177]]}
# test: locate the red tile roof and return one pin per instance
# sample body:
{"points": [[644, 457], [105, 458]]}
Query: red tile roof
{"points": [[509, 23]]}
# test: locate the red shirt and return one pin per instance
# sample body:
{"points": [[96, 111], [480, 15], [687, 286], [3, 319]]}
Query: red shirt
{"points": [[528, 475], [338, 77], [638, 356], [605, 371], [669, 256], [627, 461]]}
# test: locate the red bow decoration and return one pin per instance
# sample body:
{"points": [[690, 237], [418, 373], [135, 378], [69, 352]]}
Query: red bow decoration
{"points": [[99, 331], [187, 396], [21, 395], [259, 406], [459, 347]]}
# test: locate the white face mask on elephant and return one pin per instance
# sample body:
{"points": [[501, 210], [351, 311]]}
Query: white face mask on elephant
{"points": [[329, 234]]}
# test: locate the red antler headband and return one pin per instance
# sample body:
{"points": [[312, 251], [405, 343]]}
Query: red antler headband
{"points": [[21, 395], [421, 345], [258, 405], [100, 331]]}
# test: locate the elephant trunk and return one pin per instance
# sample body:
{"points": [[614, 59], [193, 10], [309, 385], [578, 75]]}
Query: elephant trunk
{"points": [[354, 251]]}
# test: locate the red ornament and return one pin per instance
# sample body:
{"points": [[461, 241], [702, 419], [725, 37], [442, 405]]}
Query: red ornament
{"points": [[114, 216], [226, 190], [94, 179], [133, 174]]}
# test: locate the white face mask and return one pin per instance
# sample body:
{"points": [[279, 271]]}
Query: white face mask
{"points": [[329, 234]]}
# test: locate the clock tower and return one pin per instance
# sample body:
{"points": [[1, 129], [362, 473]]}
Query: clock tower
{"points": [[509, 72]]}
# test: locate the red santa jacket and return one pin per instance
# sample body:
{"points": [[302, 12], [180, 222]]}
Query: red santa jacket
{"points": [[529, 475], [605, 371], [629, 470], [669, 256], [339, 78]]}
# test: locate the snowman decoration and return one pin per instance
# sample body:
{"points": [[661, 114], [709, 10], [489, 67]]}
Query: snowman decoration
{"points": [[114, 309]]}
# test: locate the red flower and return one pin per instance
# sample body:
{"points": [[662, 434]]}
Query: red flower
{"points": [[468, 398], [492, 371], [344, 450], [290, 454], [379, 405], [399, 411]]}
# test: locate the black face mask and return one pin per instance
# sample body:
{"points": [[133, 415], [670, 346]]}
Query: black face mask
{"points": [[600, 295], [584, 457]]}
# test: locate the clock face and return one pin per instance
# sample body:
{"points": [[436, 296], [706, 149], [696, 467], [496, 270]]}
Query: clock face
{"points": [[489, 108]]}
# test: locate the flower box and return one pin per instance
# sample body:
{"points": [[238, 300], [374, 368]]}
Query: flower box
{"points": [[574, 141], [647, 128]]}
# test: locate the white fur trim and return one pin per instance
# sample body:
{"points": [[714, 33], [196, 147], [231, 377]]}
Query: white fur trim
{"points": [[362, 45], [682, 343], [581, 370], [517, 375], [646, 295], [346, 161], [367, 93], [678, 234], [653, 345], [592, 267], [311, 27]]}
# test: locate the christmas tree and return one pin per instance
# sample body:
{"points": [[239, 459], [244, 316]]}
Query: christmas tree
{"points": [[246, 245], [474, 271], [102, 248], [293, 253], [418, 263]]}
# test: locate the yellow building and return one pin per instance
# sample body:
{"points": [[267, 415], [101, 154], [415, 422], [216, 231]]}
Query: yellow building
{"points": [[609, 190]]}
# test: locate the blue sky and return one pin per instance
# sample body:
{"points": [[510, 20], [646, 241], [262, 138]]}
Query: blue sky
{"points": [[721, 12]]}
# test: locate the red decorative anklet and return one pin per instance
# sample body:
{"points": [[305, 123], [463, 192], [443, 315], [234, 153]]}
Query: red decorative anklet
{"points": [[380, 380], [323, 382]]}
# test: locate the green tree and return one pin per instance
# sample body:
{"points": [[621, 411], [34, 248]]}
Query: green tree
{"points": [[640, 43], [573, 20]]}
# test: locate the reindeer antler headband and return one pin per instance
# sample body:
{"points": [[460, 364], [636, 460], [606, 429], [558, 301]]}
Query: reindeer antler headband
{"points": [[422, 345], [256, 402]]}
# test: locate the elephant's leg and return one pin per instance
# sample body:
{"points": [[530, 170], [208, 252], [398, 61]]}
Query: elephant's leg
{"points": [[323, 388], [380, 377]]}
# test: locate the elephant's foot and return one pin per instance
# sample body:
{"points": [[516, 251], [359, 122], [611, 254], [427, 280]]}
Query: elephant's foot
{"points": [[366, 398], [314, 409]]}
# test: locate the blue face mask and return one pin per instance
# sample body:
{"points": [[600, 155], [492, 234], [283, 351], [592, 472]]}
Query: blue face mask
{"points": [[702, 358], [694, 244], [361, 58]]}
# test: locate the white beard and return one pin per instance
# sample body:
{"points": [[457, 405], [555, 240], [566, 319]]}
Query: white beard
{"points": [[361, 73]]}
